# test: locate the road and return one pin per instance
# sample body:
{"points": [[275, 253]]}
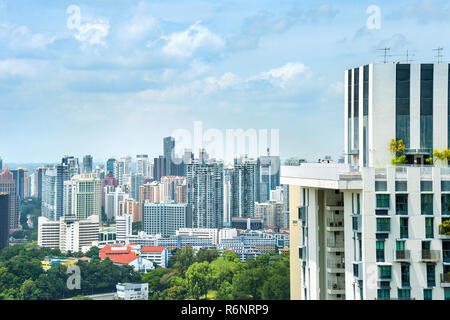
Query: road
{"points": [[101, 296]]}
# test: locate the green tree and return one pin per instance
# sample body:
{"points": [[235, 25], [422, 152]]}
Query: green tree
{"points": [[29, 290], [184, 258], [198, 278], [207, 255]]}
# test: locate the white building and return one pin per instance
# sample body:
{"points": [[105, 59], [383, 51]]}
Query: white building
{"points": [[202, 233], [368, 229], [82, 196], [158, 255], [132, 291], [165, 218], [68, 234], [124, 227]]}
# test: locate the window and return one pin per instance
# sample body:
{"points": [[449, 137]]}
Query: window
{"points": [[431, 275], [384, 294], [445, 204], [380, 251], [380, 185], [383, 225], [426, 203], [427, 294], [384, 272], [358, 203], [382, 201], [429, 232], [401, 204], [426, 185], [401, 186], [405, 275], [404, 294], [403, 228], [445, 185], [400, 245]]}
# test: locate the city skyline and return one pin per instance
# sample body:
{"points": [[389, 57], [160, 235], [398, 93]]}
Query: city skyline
{"points": [[134, 72]]}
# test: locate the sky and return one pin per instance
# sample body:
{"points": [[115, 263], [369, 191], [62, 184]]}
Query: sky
{"points": [[110, 78]]}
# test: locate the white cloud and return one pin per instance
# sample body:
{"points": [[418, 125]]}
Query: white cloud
{"points": [[22, 37], [93, 32], [285, 75], [16, 68], [184, 44], [139, 26]]}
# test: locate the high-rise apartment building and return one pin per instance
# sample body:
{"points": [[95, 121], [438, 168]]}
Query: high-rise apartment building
{"points": [[122, 169], [204, 181], [271, 213], [269, 176], [136, 180], [8, 185], [109, 167], [169, 155], [142, 165], [4, 219], [21, 179], [165, 218], [83, 196], [88, 164], [368, 229], [38, 180], [244, 187]]}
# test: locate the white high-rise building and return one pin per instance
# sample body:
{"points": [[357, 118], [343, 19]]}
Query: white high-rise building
{"points": [[369, 229], [123, 227], [83, 196], [142, 165]]}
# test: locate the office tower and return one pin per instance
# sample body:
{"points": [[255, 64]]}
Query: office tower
{"points": [[271, 213], [227, 196], [169, 155], [137, 180], [1, 164], [124, 227], [369, 229], [31, 184], [165, 218], [159, 168], [72, 164], [83, 196], [88, 164], [8, 185], [269, 177], [4, 219], [21, 179], [109, 167], [188, 156], [244, 187], [48, 203], [112, 201], [122, 169], [182, 193], [108, 181], [38, 180], [205, 193], [169, 186], [68, 233], [142, 165]]}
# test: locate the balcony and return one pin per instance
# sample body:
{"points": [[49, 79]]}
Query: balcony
{"points": [[335, 266], [334, 225], [335, 245], [402, 255], [335, 205], [430, 255], [336, 286], [445, 280]]}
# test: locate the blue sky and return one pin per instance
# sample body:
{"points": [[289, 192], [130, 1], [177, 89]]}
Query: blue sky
{"points": [[132, 72]]}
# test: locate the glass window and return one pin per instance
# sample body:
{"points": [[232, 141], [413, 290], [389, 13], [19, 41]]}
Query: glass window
{"points": [[400, 246], [383, 224], [403, 228], [401, 204], [380, 251], [384, 272], [380, 185], [445, 185], [426, 202], [431, 275], [401, 186], [429, 230], [426, 185], [427, 294], [382, 201], [384, 294], [445, 204], [405, 275], [404, 293]]}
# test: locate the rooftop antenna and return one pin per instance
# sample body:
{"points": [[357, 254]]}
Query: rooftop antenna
{"points": [[408, 60], [386, 49], [439, 54]]}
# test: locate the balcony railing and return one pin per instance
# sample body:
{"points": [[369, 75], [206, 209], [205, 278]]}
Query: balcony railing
{"points": [[402, 255], [335, 264], [445, 279], [430, 255], [331, 243], [336, 285], [333, 223]]}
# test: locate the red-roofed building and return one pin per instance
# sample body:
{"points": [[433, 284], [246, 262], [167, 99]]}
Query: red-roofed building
{"points": [[126, 255], [158, 255]]}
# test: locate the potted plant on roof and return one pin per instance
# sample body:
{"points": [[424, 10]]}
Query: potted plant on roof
{"points": [[397, 147]]}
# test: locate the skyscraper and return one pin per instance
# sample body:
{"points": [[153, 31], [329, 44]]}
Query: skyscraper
{"points": [[83, 196], [48, 203], [137, 179], [169, 155], [38, 180], [4, 219], [88, 164], [244, 187], [205, 193], [159, 167], [142, 165], [21, 179], [8, 185], [109, 167], [269, 177]]}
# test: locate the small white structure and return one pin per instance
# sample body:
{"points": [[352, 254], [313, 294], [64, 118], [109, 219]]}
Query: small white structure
{"points": [[132, 291]]}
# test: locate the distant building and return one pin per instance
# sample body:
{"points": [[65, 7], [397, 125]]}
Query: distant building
{"points": [[244, 187], [8, 185], [157, 255], [4, 219], [165, 218], [132, 291], [38, 181], [247, 223], [21, 179], [88, 164]]}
